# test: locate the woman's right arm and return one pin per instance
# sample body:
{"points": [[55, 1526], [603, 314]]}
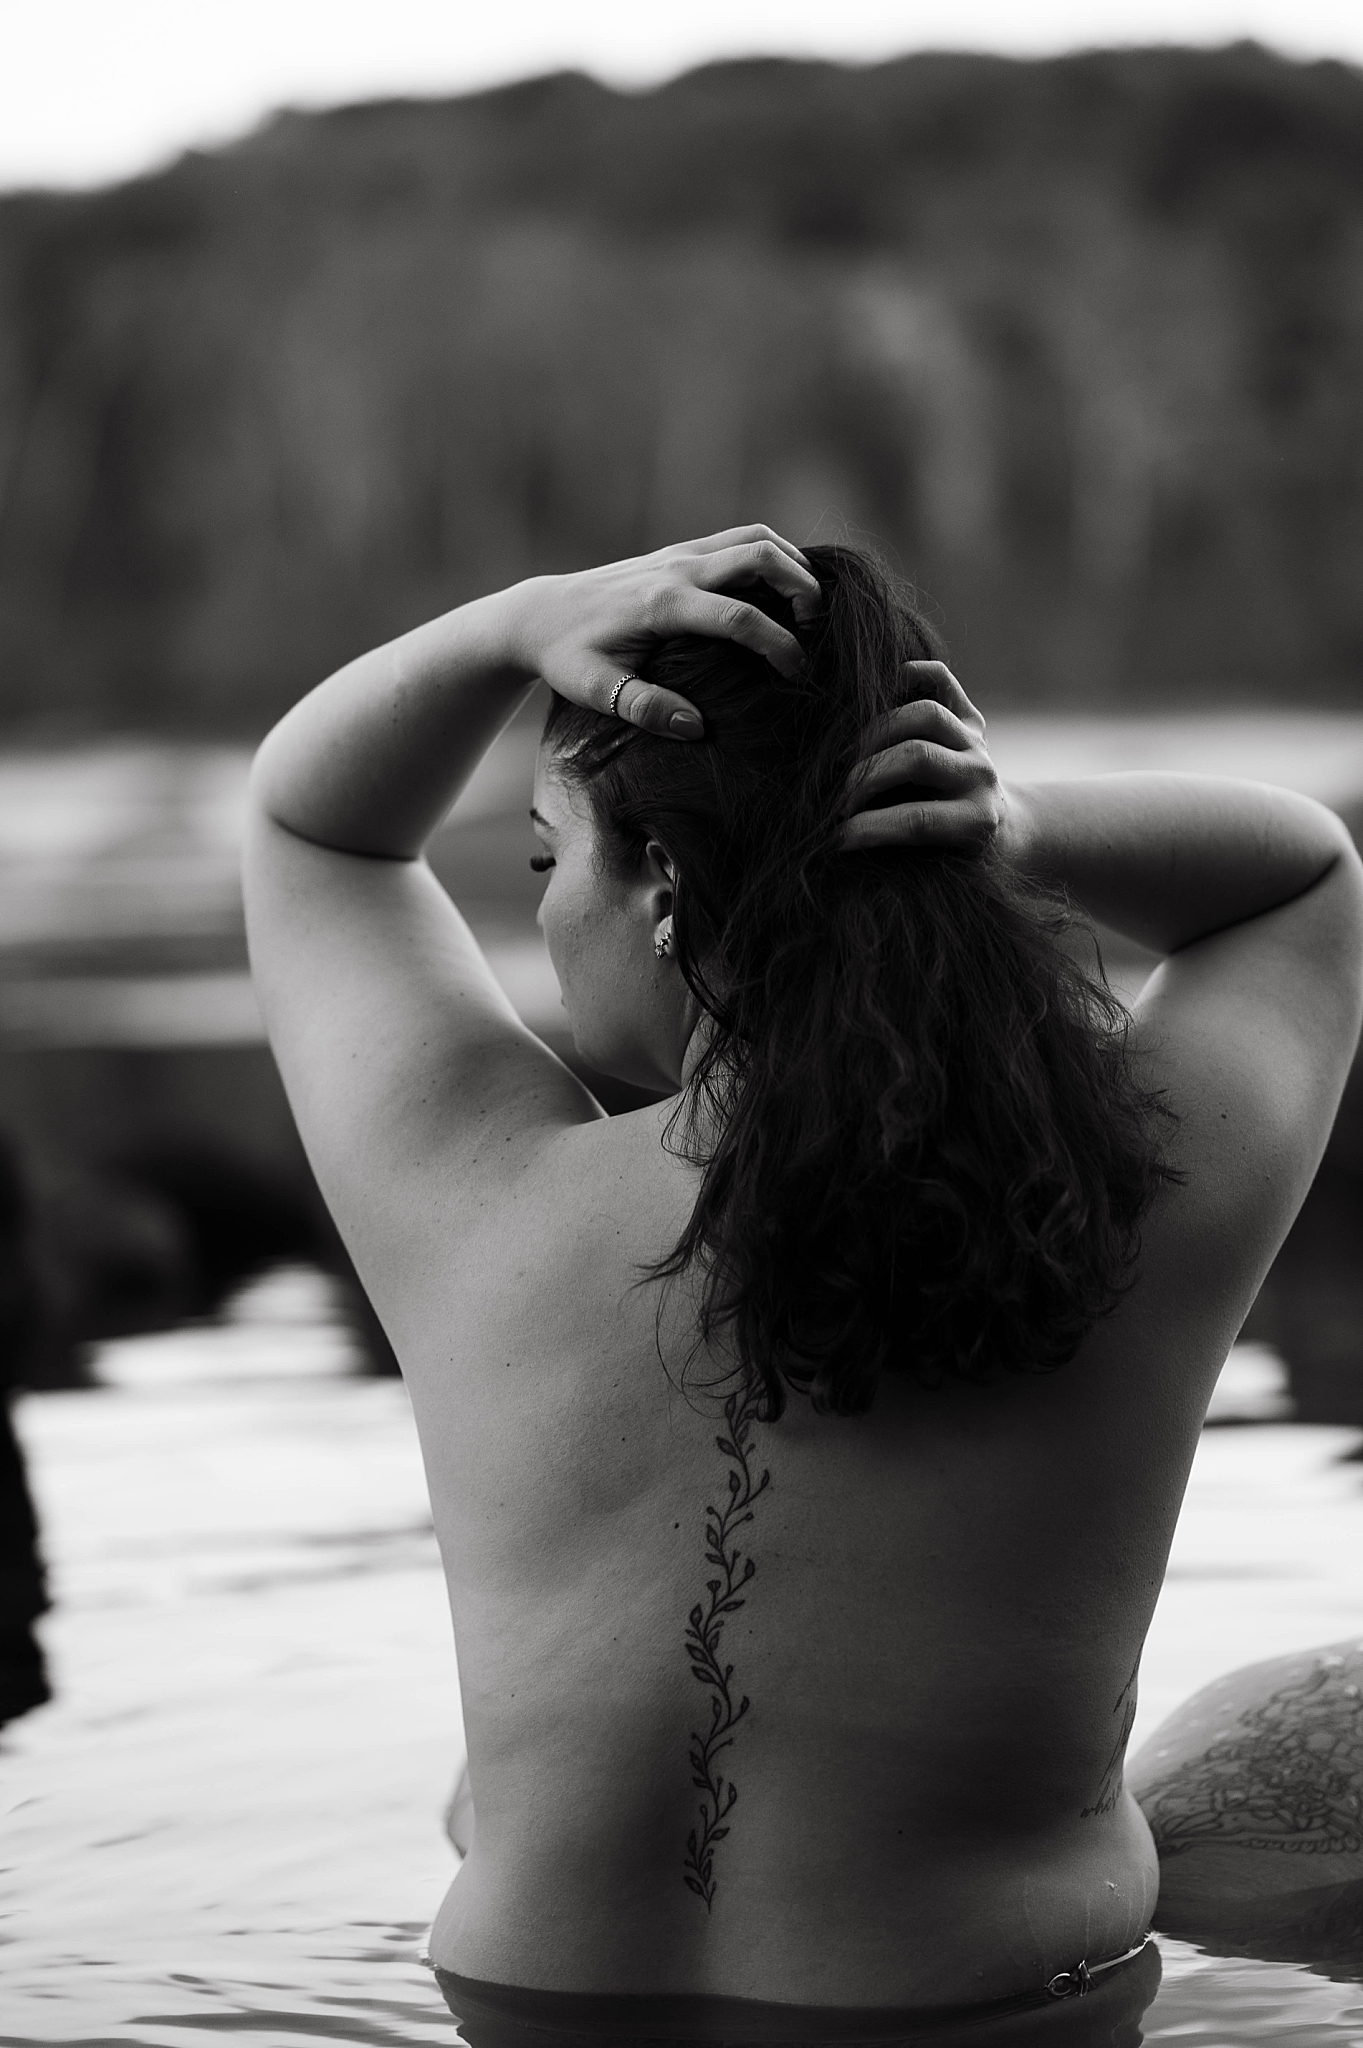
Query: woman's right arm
{"points": [[1169, 860], [1250, 1022], [1166, 860], [1253, 895]]}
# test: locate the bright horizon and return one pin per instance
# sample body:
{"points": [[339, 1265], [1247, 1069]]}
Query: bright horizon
{"points": [[92, 92]]}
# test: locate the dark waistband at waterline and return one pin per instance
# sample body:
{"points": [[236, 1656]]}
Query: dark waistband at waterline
{"points": [[505, 2016]]}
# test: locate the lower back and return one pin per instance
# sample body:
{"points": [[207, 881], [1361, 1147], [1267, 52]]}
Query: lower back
{"points": [[806, 1916], [824, 1711]]}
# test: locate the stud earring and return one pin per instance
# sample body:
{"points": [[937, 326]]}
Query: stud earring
{"points": [[662, 945]]}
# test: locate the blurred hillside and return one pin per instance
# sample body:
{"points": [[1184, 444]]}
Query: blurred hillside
{"points": [[1080, 342]]}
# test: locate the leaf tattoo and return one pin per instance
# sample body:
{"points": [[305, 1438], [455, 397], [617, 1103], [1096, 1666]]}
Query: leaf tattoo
{"points": [[704, 1629], [1110, 1790]]}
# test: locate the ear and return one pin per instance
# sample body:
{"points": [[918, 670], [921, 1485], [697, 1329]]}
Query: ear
{"points": [[660, 877]]}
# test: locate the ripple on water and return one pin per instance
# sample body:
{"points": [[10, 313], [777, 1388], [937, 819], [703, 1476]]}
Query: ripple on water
{"points": [[1231, 2002], [266, 1987]]}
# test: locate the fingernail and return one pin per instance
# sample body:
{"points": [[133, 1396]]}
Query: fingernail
{"points": [[686, 725]]}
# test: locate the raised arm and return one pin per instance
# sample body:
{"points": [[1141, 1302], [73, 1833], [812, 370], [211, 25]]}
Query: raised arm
{"points": [[1168, 860], [1162, 859], [400, 1053], [370, 762], [1254, 896]]}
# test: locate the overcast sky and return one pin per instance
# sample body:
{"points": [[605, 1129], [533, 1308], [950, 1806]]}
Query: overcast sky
{"points": [[99, 89]]}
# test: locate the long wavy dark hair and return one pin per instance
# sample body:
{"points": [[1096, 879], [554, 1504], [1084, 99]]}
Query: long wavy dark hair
{"points": [[924, 1150]]}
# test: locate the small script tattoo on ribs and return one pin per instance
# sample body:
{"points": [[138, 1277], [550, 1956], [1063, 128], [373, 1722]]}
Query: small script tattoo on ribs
{"points": [[1110, 1789], [704, 1631]]}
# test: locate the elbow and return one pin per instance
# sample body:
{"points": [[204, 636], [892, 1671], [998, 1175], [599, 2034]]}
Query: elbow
{"points": [[1344, 880], [1326, 830], [1344, 854], [1323, 838], [262, 785], [1336, 823], [282, 778], [257, 785], [1349, 867]]}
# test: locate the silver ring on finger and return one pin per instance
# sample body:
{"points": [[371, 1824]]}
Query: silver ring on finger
{"points": [[628, 677]]}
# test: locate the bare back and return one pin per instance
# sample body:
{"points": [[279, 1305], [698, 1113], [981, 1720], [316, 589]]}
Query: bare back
{"points": [[831, 1711], [933, 1614]]}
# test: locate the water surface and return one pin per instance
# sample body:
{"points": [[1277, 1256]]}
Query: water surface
{"points": [[230, 1819]]}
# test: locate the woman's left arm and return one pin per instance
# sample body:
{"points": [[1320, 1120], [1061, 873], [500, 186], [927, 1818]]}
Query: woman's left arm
{"points": [[371, 760], [397, 1047]]}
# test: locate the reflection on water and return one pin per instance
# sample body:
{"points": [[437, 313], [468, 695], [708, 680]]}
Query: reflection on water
{"points": [[1213, 2002], [230, 1819]]}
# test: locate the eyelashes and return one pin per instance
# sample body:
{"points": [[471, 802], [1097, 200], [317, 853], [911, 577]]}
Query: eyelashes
{"points": [[541, 862]]}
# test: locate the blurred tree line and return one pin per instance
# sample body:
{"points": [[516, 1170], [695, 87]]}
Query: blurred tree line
{"points": [[1079, 342]]}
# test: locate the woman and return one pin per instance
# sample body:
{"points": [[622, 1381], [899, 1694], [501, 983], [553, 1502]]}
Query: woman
{"points": [[804, 1450]]}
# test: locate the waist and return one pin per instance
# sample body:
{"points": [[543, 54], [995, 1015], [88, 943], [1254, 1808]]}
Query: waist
{"points": [[1085, 2002], [799, 1914]]}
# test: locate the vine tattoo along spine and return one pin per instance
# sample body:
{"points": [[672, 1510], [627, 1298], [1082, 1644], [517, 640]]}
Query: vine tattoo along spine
{"points": [[704, 1630]]}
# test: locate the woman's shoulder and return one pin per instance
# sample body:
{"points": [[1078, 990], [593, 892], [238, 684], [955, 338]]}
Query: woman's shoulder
{"points": [[564, 1222]]}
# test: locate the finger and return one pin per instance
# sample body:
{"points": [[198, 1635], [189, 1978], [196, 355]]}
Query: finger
{"points": [[740, 536], [920, 764], [930, 824], [716, 617], [760, 561], [946, 689], [654, 709], [924, 718]]}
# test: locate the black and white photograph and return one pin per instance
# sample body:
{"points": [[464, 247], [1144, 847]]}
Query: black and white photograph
{"points": [[681, 965]]}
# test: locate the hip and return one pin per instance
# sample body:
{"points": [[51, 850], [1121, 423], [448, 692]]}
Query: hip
{"points": [[801, 1919]]}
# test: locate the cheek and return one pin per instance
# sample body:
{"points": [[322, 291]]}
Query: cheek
{"points": [[570, 918], [591, 946], [555, 925]]}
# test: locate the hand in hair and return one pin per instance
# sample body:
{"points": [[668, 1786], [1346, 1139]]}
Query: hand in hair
{"points": [[925, 777], [582, 632]]}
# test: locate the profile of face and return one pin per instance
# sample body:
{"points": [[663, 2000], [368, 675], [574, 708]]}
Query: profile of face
{"points": [[630, 1012]]}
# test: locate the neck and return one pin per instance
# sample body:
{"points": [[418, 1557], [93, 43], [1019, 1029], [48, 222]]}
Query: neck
{"points": [[702, 1032]]}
